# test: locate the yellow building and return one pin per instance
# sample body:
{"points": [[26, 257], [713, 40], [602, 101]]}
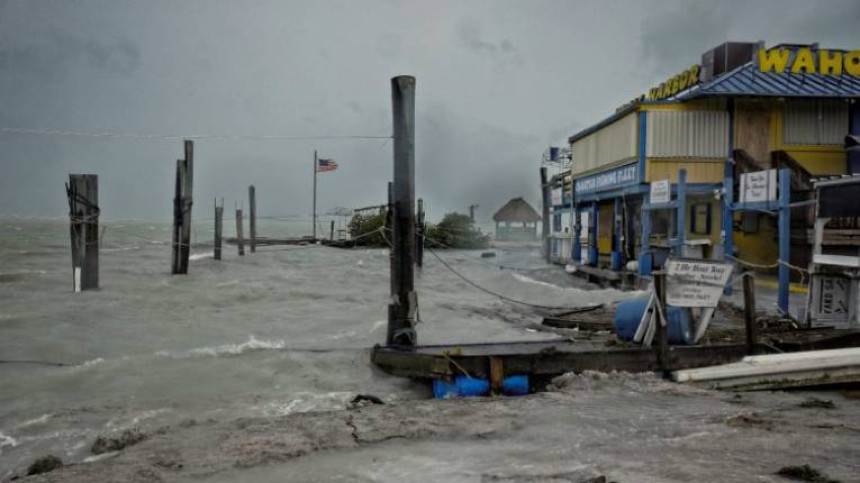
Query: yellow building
{"points": [[744, 109]]}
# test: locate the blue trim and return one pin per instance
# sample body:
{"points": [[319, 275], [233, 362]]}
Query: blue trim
{"points": [[643, 137], [616, 237], [681, 217], [593, 253], [784, 236], [577, 233]]}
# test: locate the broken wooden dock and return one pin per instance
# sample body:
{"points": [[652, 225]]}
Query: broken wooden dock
{"points": [[556, 357]]}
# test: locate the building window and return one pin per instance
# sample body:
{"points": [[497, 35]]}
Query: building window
{"points": [[815, 122]]}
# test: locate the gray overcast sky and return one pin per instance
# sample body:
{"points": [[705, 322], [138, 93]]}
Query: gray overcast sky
{"points": [[498, 81]]}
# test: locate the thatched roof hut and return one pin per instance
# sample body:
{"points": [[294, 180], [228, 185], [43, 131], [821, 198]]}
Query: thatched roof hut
{"points": [[517, 211]]}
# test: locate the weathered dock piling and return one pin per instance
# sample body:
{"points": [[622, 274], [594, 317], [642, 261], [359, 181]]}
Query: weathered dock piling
{"points": [[219, 226], [252, 222], [240, 242], [83, 195], [182, 202], [331, 231], [401, 322]]}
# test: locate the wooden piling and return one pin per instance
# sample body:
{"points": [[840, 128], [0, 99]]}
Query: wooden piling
{"points": [[177, 217], [240, 242], [749, 313], [219, 225], [182, 202], [252, 223], [331, 231], [187, 197], [83, 196], [402, 324], [661, 332], [420, 231]]}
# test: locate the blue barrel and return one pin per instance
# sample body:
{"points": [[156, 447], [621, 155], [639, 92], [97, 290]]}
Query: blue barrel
{"points": [[515, 385], [471, 386], [463, 386], [628, 314]]}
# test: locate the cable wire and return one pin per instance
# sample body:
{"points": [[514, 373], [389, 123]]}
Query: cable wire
{"points": [[230, 137]]}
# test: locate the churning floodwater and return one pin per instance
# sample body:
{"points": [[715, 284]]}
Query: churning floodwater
{"points": [[284, 330]]}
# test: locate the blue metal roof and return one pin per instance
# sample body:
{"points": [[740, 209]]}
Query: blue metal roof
{"points": [[747, 80]]}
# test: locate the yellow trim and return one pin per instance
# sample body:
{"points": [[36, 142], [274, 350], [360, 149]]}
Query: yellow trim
{"points": [[699, 170], [699, 105], [605, 167]]}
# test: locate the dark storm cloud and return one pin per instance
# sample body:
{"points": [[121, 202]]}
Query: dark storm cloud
{"points": [[498, 82], [470, 34], [51, 54]]}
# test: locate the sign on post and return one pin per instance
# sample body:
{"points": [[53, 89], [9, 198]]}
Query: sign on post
{"points": [[695, 283], [556, 197], [660, 192], [758, 186]]}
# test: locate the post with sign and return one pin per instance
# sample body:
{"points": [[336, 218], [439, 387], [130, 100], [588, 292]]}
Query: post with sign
{"points": [[696, 284], [758, 192]]}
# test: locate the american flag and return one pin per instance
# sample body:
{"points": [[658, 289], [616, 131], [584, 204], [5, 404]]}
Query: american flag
{"points": [[324, 165]]}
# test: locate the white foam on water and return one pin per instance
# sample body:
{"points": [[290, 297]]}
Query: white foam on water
{"points": [[6, 440], [199, 256], [377, 325], [35, 421], [306, 402], [250, 345], [522, 278], [99, 457], [91, 362]]}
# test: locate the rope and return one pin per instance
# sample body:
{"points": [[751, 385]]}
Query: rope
{"points": [[803, 272], [495, 294], [231, 137]]}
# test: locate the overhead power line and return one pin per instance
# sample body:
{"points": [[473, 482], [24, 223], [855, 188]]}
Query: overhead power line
{"points": [[230, 137]]}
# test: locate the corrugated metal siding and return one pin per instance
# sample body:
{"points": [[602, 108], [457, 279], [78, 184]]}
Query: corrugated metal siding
{"points": [[693, 134], [613, 143], [815, 122]]}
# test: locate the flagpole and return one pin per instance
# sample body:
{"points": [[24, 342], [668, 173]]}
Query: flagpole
{"points": [[315, 198]]}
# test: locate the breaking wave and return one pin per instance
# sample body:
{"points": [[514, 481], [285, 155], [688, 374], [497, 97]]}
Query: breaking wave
{"points": [[251, 345]]}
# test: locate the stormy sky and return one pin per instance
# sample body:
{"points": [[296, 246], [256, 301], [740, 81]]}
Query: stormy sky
{"points": [[497, 82]]}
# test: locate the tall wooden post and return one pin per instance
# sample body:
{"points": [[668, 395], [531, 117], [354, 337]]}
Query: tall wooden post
{"points": [[219, 226], [83, 194], [177, 217], [749, 312], [240, 242], [401, 327], [547, 201], [420, 230], [187, 197], [182, 210], [661, 332], [252, 202], [331, 231]]}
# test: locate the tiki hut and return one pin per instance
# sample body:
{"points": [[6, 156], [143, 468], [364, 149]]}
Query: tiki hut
{"points": [[517, 220]]}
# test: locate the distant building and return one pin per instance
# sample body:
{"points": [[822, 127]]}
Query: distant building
{"points": [[519, 221]]}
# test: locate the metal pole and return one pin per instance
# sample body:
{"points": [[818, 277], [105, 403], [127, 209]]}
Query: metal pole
{"points": [[401, 321], [784, 236], [314, 217], [681, 213], [728, 234]]}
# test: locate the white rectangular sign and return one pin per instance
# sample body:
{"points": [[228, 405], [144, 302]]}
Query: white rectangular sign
{"points": [[693, 283], [556, 197], [758, 186], [661, 191]]}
